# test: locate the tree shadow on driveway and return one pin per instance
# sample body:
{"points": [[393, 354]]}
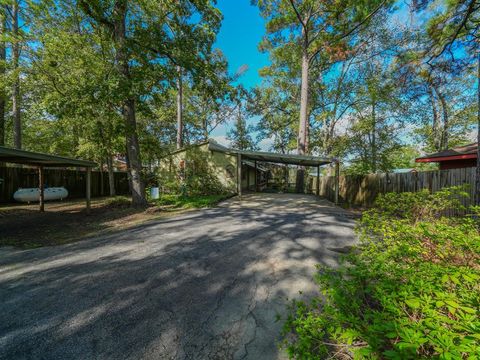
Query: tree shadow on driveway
{"points": [[204, 285]]}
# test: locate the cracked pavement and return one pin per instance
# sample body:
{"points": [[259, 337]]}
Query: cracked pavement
{"points": [[206, 284]]}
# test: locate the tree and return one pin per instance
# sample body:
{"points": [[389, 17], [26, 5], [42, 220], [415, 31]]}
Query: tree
{"points": [[150, 38], [455, 24], [179, 108], [373, 136], [3, 61], [68, 83], [240, 136], [308, 32], [16, 105], [277, 111]]}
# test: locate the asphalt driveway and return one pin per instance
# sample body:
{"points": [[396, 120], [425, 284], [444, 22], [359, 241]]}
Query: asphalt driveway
{"points": [[204, 285]]}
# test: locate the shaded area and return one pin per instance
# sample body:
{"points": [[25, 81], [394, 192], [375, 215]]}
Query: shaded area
{"points": [[64, 222], [204, 285]]}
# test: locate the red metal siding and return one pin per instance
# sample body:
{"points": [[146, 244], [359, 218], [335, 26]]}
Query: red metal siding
{"points": [[456, 164]]}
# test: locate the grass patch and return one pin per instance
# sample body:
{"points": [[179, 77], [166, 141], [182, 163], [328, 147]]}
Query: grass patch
{"points": [[172, 201], [118, 202]]}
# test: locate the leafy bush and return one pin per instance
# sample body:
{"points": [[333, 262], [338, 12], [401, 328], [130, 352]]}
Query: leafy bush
{"points": [[198, 177], [410, 290]]}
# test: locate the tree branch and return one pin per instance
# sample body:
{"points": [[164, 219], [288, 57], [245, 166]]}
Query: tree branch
{"points": [[353, 29]]}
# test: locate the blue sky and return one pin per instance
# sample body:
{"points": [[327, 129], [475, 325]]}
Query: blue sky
{"points": [[241, 32]]}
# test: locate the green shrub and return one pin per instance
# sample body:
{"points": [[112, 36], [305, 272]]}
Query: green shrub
{"points": [[410, 290], [198, 177]]}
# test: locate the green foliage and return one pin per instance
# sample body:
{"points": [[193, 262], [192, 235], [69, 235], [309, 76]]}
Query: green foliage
{"points": [[188, 202], [418, 206], [118, 202], [240, 136], [410, 290], [196, 178]]}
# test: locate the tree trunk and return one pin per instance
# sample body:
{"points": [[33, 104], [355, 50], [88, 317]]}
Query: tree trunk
{"points": [[477, 172], [111, 175], [205, 128], [374, 137], [303, 126], [102, 188], [3, 59], [179, 108], [435, 124], [445, 128], [17, 121], [128, 106], [129, 175]]}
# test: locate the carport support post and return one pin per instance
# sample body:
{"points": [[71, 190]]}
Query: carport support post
{"points": [[239, 175], [337, 180], [256, 180], [88, 189], [318, 180], [41, 187]]}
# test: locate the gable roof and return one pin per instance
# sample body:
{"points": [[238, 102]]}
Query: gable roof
{"points": [[40, 159], [460, 152]]}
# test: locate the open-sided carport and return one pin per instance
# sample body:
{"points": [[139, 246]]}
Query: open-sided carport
{"points": [[290, 159], [40, 161]]}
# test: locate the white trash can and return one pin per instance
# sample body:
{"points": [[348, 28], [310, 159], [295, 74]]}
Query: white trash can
{"points": [[154, 193]]}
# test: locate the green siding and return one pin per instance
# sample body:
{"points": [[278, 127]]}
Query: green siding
{"points": [[223, 165]]}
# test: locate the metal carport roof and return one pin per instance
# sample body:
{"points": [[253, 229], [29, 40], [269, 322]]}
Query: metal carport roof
{"points": [[304, 160], [40, 159]]}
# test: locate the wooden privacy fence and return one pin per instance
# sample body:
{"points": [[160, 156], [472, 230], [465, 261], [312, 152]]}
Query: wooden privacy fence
{"points": [[12, 178], [363, 190]]}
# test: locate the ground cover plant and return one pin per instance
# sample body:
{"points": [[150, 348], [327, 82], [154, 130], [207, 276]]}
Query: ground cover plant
{"points": [[409, 290], [175, 201]]}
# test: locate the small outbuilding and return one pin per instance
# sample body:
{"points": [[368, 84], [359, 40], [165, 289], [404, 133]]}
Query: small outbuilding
{"points": [[454, 158], [237, 170]]}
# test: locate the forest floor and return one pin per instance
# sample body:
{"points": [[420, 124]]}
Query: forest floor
{"points": [[64, 222]]}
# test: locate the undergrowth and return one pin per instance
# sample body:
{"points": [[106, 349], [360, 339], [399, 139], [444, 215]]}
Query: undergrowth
{"points": [[410, 290], [187, 202]]}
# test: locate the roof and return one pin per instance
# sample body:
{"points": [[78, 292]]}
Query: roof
{"points": [[292, 159], [305, 160], [457, 153], [40, 159]]}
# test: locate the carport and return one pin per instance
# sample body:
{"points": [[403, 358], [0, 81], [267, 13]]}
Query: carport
{"points": [[289, 159], [40, 161]]}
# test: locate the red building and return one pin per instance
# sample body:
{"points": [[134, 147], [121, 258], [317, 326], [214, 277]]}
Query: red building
{"points": [[457, 157]]}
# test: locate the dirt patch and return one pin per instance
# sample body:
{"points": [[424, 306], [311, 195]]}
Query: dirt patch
{"points": [[63, 222]]}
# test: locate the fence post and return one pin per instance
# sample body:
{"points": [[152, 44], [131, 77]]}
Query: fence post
{"points": [[88, 189], [239, 175], [41, 180]]}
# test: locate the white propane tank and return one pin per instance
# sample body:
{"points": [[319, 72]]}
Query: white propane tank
{"points": [[33, 194]]}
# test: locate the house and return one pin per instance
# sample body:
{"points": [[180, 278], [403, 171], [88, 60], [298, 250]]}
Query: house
{"points": [[454, 158], [221, 161], [236, 170]]}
